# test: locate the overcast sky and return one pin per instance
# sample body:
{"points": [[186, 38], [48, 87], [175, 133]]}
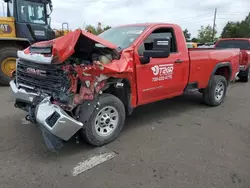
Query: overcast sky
{"points": [[190, 14]]}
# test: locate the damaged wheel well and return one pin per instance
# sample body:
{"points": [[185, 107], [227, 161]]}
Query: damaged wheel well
{"points": [[121, 88]]}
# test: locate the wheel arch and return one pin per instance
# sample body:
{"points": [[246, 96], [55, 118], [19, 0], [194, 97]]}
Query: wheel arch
{"points": [[121, 88], [223, 69]]}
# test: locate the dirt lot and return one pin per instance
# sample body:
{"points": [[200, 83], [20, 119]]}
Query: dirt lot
{"points": [[172, 143]]}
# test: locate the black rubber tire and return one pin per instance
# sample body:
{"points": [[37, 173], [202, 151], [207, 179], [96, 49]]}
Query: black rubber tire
{"points": [[201, 90], [89, 133], [246, 77], [5, 53], [209, 92]]}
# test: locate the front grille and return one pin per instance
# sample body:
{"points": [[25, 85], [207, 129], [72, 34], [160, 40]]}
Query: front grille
{"points": [[47, 78], [51, 121]]}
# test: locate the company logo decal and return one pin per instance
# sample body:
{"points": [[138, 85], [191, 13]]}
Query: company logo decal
{"points": [[5, 29], [162, 72], [36, 72]]}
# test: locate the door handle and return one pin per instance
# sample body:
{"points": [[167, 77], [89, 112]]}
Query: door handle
{"points": [[178, 61]]}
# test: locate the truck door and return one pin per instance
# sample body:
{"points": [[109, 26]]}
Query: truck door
{"points": [[161, 77]]}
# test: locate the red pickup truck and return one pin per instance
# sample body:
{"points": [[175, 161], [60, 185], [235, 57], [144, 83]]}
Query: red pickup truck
{"points": [[244, 45], [82, 84]]}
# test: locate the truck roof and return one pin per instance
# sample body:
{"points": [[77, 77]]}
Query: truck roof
{"points": [[234, 39], [150, 24]]}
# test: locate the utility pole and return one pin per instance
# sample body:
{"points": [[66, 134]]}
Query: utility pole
{"points": [[215, 13]]}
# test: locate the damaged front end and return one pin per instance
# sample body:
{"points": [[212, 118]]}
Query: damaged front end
{"points": [[55, 81]]}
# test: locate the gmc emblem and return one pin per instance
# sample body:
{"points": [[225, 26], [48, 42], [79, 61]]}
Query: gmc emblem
{"points": [[36, 71]]}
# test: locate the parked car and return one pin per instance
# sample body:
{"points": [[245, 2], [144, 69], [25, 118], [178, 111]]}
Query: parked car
{"points": [[189, 45], [192, 45], [85, 85]]}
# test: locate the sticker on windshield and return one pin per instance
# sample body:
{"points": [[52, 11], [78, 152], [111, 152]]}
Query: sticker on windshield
{"points": [[137, 32], [162, 72]]}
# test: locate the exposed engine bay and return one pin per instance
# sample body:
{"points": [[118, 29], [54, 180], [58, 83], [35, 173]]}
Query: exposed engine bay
{"points": [[70, 83], [56, 80]]}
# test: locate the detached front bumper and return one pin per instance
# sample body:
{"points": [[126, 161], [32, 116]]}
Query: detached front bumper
{"points": [[21, 94], [50, 116], [56, 120]]}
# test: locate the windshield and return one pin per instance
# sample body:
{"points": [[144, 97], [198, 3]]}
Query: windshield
{"points": [[31, 12], [242, 44], [122, 36]]}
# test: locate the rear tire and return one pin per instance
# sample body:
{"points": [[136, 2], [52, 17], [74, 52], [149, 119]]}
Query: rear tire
{"points": [[106, 122], [216, 90], [245, 78], [5, 54]]}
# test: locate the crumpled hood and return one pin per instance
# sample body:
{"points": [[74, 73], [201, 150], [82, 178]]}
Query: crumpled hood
{"points": [[63, 47]]}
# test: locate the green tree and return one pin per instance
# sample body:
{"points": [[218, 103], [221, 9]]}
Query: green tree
{"points": [[91, 29], [95, 30], [248, 18], [240, 29], [205, 34], [234, 30], [106, 28], [194, 40], [187, 34]]}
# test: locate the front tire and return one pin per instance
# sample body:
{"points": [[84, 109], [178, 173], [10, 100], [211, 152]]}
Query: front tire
{"points": [[106, 122], [8, 56], [216, 90]]}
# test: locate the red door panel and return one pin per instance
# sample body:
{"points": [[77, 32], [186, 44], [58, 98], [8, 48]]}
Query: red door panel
{"points": [[161, 78]]}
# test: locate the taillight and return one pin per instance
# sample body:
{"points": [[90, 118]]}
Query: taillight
{"points": [[245, 58], [240, 57]]}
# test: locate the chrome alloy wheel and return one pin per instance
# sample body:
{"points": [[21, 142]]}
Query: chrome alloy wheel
{"points": [[219, 91], [106, 121]]}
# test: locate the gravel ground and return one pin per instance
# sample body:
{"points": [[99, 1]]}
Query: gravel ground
{"points": [[173, 143]]}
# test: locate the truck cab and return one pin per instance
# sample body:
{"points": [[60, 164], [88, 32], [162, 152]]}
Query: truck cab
{"points": [[31, 19]]}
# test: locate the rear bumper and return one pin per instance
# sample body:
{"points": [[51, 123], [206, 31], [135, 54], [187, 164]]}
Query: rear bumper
{"points": [[236, 75], [50, 116], [243, 71], [242, 68]]}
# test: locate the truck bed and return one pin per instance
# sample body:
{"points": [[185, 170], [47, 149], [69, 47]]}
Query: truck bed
{"points": [[203, 61]]}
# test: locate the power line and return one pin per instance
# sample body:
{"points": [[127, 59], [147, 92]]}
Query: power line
{"points": [[234, 12], [195, 20], [201, 18], [194, 17], [210, 16]]}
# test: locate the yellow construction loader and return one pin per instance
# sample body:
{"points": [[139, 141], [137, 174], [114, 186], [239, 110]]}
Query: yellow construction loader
{"points": [[64, 31], [27, 22]]}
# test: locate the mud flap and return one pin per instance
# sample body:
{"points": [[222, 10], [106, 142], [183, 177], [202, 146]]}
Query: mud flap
{"points": [[52, 142], [87, 109]]}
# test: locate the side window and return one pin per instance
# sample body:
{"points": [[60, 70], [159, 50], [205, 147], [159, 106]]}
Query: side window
{"points": [[147, 44]]}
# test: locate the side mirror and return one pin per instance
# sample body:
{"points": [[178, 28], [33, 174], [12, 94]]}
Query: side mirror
{"points": [[161, 49], [144, 60]]}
